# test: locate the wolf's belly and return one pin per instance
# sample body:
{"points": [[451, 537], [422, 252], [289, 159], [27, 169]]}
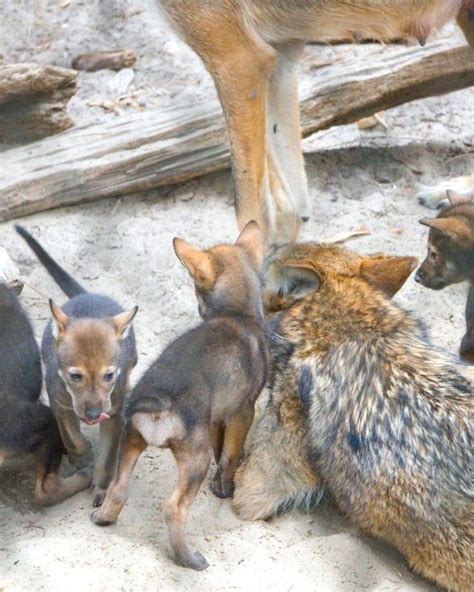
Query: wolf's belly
{"points": [[336, 20]]}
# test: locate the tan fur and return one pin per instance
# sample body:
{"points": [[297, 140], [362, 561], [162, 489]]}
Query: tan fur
{"points": [[360, 405], [251, 48]]}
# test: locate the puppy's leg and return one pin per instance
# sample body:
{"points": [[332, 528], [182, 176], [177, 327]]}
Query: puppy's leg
{"points": [[466, 350], [235, 433], [105, 465], [217, 439], [132, 444], [78, 448], [289, 185], [193, 457], [50, 487], [466, 22]]}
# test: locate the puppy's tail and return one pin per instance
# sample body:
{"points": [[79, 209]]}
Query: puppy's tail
{"points": [[67, 283]]}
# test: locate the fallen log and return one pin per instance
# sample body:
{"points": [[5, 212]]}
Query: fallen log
{"points": [[104, 60], [146, 150], [33, 101]]}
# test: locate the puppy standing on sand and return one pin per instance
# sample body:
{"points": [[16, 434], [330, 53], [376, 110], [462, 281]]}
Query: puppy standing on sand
{"points": [[88, 352], [251, 48], [199, 395]]}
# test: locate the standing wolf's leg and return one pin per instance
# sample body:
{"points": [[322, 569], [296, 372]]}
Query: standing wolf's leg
{"points": [[241, 64], [284, 133], [275, 474]]}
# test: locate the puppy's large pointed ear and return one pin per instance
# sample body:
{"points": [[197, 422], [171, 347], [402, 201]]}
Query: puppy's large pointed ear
{"points": [[197, 262], [60, 318], [123, 321], [453, 227], [387, 273], [456, 199], [288, 283], [253, 241]]}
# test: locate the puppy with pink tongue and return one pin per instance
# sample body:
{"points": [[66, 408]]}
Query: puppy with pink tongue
{"points": [[88, 351]]}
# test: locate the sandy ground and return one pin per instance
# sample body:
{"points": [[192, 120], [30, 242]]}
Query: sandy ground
{"points": [[123, 248]]}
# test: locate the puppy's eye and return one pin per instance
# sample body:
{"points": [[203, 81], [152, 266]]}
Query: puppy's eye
{"points": [[433, 256], [75, 376], [109, 376]]}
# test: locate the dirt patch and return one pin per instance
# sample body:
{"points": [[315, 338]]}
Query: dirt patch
{"points": [[123, 248]]}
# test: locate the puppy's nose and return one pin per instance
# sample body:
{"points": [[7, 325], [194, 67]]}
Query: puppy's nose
{"points": [[93, 413], [419, 275]]}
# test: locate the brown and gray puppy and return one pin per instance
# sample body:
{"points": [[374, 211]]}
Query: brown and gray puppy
{"points": [[450, 258], [199, 395], [88, 351], [26, 425]]}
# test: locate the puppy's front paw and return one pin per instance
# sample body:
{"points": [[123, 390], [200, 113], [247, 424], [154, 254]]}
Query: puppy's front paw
{"points": [[100, 520], [98, 497], [222, 487]]}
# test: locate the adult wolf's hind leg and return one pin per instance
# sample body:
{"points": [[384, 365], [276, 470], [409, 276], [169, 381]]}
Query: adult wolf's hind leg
{"points": [[275, 474]]}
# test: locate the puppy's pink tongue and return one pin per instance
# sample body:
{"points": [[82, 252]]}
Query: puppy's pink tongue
{"points": [[103, 416]]}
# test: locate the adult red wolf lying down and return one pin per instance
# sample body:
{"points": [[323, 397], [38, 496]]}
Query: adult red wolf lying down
{"points": [[362, 406]]}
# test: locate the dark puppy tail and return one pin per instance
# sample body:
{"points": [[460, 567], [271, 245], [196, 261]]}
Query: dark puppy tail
{"points": [[67, 284]]}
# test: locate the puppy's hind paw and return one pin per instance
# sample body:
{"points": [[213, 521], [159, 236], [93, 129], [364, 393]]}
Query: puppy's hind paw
{"points": [[194, 560]]}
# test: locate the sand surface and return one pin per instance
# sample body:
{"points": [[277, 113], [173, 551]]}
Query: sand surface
{"points": [[123, 248]]}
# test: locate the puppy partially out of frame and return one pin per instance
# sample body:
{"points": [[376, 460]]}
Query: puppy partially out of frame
{"points": [[26, 425], [199, 395]]}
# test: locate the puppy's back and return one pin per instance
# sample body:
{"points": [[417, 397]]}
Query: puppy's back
{"points": [[20, 366]]}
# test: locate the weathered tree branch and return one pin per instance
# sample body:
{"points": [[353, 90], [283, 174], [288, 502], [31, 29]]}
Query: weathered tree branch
{"points": [[154, 148], [33, 101]]}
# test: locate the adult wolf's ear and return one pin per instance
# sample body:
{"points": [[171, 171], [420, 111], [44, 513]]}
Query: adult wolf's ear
{"points": [[387, 273], [60, 320], [197, 262], [457, 199], [453, 227], [286, 284], [253, 241]]}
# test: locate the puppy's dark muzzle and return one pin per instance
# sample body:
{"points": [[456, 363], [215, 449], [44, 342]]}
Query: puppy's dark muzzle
{"points": [[420, 277]]}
